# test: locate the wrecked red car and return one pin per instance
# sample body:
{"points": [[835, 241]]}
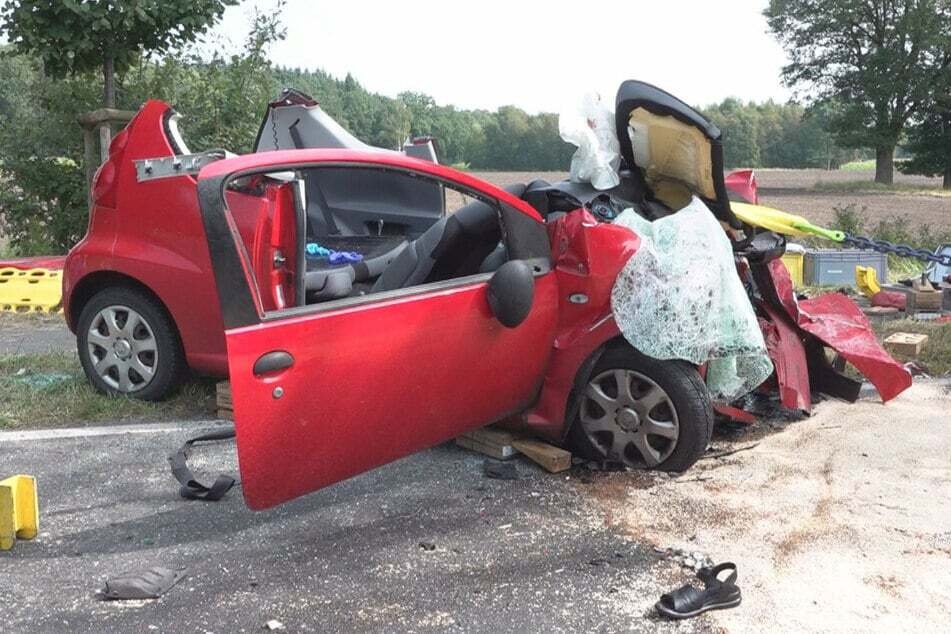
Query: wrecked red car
{"points": [[468, 304]]}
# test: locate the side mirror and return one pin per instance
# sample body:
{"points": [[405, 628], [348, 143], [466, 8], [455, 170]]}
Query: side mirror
{"points": [[511, 292]]}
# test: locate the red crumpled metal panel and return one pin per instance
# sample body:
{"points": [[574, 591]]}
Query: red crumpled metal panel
{"points": [[890, 299], [838, 322], [784, 345]]}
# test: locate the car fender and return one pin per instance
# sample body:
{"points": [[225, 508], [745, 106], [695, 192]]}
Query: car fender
{"points": [[588, 255]]}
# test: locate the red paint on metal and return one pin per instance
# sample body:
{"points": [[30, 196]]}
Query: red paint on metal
{"points": [[588, 256], [786, 351], [734, 413], [375, 382], [838, 322], [152, 231], [743, 183], [890, 299]]}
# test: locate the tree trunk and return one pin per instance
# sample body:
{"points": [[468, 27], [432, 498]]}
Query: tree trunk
{"points": [[108, 83], [885, 164], [947, 177]]}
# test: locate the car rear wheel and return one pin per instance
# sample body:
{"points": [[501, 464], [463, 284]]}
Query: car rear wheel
{"points": [[128, 345], [642, 413]]}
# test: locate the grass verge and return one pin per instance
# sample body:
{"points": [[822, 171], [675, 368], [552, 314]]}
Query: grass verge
{"points": [[50, 390], [858, 166]]}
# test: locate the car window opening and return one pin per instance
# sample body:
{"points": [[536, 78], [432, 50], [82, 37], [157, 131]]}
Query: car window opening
{"points": [[325, 234]]}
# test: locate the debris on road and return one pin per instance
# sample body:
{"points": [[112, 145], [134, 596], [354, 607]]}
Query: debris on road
{"points": [[147, 584]]}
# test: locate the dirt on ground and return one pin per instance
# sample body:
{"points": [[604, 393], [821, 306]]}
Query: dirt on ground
{"points": [[800, 192], [838, 523]]}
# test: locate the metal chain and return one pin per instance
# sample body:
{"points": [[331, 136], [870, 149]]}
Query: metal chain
{"points": [[902, 250], [274, 131]]}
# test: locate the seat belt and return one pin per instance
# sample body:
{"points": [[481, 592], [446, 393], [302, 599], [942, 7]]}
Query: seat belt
{"points": [[191, 488]]}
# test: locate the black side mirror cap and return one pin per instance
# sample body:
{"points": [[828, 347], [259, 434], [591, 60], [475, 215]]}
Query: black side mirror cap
{"points": [[511, 292]]}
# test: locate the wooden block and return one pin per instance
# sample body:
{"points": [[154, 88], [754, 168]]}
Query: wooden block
{"points": [[926, 300], [499, 452], [502, 445], [906, 343], [223, 395], [550, 458]]}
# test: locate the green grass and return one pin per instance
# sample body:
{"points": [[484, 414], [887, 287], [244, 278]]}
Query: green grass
{"points": [[858, 166], [936, 353], [864, 186], [50, 390]]}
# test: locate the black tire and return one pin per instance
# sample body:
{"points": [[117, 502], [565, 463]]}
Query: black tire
{"points": [[168, 358], [688, 403]]}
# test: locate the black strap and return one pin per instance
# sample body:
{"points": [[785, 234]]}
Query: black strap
{"points": [[191, 488], [710, 576]]}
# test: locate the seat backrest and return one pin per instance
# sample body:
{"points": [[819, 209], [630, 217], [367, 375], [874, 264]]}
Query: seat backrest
{"points": [[453, 247]]}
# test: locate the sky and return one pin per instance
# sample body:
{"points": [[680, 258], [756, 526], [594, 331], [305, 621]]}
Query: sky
{"points": [[540, 56]]}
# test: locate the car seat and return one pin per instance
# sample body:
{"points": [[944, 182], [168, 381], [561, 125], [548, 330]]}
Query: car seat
{"points": [[324, 283], [456, 246]]}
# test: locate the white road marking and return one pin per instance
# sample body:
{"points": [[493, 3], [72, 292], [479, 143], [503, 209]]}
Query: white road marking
{"points": [[111, 430]]}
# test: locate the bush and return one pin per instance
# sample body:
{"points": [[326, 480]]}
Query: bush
{"points": [[44, 204]]}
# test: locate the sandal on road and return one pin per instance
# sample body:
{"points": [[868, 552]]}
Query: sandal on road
{"points": [[690, 601]]}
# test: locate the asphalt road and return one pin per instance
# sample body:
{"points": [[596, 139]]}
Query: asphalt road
{"points": [[531, 555], [34, 334]]}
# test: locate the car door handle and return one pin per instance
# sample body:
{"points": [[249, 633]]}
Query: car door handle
{"points": [[272, 362]]}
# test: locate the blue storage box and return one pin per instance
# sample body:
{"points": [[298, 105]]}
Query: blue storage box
{"points": [[836, 267]]}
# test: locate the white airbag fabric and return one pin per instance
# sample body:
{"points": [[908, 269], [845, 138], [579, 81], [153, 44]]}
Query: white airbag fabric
{"points": [[590, 127], [679, 297]]}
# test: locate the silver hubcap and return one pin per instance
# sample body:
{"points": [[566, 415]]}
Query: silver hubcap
{"points": [[122, 349], [630, 418]]}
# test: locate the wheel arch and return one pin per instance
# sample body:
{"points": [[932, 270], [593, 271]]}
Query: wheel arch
{"points": [[87, 287], [583, 375]]}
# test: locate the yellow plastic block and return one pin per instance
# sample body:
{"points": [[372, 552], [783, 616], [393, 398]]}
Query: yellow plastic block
{"points": [[866, 278], [19, 510], [31, 290]]}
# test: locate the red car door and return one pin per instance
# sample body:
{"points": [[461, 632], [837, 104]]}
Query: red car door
{"points": [[324, 392]]}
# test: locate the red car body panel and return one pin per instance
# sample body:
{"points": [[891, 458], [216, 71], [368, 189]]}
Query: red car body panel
{"points": [[373, 383], [434, 356], [588, 256], [152, 233]]}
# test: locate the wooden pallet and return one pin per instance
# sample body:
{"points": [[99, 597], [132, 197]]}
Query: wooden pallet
{"points": [[502, 445]]}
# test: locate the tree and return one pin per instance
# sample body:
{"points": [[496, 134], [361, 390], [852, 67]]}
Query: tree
{"points": [[77, 36], [930, 143], [878, 60]]}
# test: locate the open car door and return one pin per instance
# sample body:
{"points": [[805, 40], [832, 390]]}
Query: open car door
{"points": [[326, 391]]}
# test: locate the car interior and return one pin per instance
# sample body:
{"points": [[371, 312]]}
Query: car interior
{"points": [[407, 233]]}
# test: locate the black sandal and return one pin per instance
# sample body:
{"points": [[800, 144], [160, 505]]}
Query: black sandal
{"points": [[690, 601]]}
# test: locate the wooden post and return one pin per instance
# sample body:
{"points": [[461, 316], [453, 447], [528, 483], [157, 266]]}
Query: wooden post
{"points": [[98, 123]]}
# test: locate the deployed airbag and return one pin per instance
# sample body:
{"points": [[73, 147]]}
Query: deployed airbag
{"points": [[679, 297], [674, 156]]}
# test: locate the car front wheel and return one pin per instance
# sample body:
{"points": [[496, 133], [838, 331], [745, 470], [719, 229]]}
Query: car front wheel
{"points": [[642, 413], [128, 345]]}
